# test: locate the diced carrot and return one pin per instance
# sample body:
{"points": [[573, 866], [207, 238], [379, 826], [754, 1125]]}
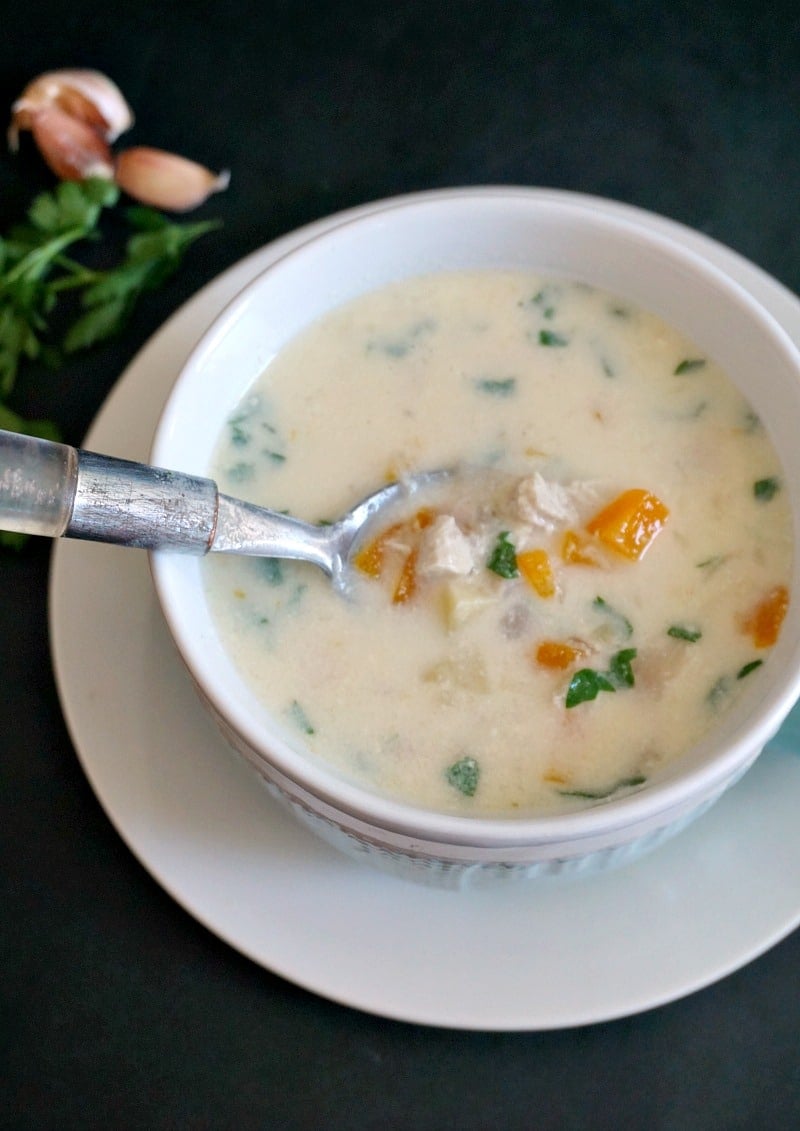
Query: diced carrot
{"points": [[630, 522], [556, 655], [370, 558], [578, 550], [424, 517], [407, 582], [534, 565], [764, 621]]}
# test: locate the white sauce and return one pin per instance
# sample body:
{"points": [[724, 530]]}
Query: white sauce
{"points": [[566, 398]]}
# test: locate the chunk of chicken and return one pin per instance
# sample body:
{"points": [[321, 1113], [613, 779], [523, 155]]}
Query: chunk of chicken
{"points": [[444, 550], [550, 505]]}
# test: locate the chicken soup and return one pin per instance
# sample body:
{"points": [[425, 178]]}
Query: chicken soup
{"points": [[562, 617]]}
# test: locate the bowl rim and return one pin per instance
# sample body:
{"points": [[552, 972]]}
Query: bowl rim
{"points": [[379, 811]]}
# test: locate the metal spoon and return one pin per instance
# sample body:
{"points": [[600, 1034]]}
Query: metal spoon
{"points": [[59, 491]]}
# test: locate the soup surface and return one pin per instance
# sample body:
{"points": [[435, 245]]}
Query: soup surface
{"points": [[554, 624]]}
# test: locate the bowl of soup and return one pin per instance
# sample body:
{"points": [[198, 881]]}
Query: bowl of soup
{"points": [[553, 660]]}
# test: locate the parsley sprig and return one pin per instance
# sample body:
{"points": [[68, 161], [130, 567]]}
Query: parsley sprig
{"points": [[36, 274], [53, 304]]}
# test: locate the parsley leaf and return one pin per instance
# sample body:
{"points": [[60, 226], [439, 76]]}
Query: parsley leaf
{"points": [[151, 257], [587, 683], [552, 339], [497, 386], [688, 365], [464, 775], [620, 671], [719, 692], [622, 624], [271, 569], [72, 204], [682, 632], [503, 559], [766, 489], [300, 718], [12, 422], [601, 794]]}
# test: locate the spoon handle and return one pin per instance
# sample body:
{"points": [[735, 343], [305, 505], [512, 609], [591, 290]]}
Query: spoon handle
{"points": [[56, 490], [37, 485]]}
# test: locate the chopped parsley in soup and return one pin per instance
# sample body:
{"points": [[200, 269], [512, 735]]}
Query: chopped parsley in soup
{"points": [[553, 624]]}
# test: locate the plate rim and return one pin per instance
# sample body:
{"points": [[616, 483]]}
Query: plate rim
{"points": [[228, 280]]}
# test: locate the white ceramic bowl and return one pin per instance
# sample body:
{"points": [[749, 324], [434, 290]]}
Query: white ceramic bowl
{"points": [[478, 229]]}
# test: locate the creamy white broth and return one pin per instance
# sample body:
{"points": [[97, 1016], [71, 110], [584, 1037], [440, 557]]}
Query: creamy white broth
{"points": [[556, 391]]}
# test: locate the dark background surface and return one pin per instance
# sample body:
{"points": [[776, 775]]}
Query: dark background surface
{"points": [[117, 1009]]}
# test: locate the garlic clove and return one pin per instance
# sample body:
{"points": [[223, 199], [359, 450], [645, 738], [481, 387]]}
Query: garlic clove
{"points": [[71, 148], [86, 95], [165, 180]]}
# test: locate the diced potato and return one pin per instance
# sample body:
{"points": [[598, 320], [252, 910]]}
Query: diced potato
{"points": [[462, 600]]}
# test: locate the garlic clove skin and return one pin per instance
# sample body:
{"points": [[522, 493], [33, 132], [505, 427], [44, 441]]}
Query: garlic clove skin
{"points": [[71, 148], [165, 180], [86, 95]]}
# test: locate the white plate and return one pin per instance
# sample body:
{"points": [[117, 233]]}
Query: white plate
{"points": [[535, 957]]}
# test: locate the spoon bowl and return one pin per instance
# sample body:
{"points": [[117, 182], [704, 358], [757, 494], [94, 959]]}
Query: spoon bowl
{"points": [[244, 528], [60, 491]]}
